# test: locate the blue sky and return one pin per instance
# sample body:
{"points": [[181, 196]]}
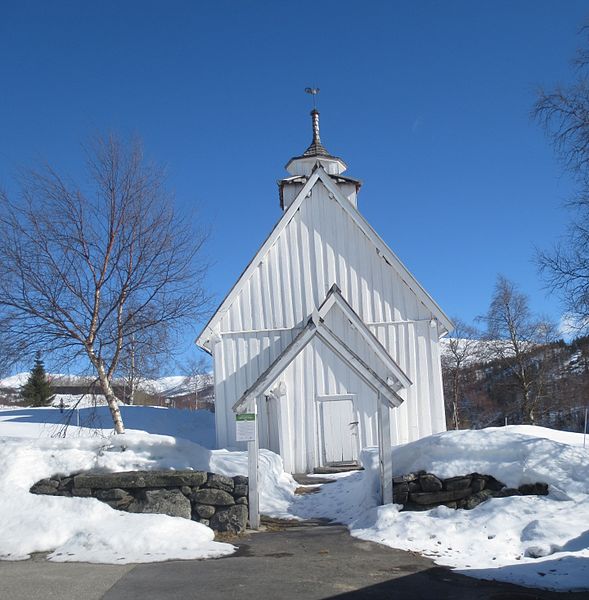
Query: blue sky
{"points": [[427, 102]]}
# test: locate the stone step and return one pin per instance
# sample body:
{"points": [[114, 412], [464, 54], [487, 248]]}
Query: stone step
{"points": [[301, 490], [305, 479], [339, 468], [274, 523]]}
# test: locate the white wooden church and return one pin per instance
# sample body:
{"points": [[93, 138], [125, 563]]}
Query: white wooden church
{"points": [[326, 334]]}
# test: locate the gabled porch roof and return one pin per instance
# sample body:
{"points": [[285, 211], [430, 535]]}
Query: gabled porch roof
{"points": [[316, 327]]}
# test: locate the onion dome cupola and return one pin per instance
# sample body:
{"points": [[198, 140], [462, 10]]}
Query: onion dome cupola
{"points": [[302, 167]]}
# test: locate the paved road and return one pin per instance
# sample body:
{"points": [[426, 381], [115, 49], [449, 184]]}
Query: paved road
{"points": [[302, 562]]}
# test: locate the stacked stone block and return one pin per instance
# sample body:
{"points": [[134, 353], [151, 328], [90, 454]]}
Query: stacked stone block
{"points": [[422, 491], [215, 500]]}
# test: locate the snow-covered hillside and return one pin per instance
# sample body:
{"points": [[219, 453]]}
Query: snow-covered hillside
{"points": [[14, 381], [176, 385], [169, 386], [480, 351]]}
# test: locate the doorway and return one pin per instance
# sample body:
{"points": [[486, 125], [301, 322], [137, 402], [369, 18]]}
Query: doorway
{"points": [[338, 430]]}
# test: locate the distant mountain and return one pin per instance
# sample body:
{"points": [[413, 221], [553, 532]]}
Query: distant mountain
{"points": [[175, 390], [176, 385]]}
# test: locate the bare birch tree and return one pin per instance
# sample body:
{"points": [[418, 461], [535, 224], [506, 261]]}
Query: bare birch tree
{"points": [[461, 351], [196, 375], [518, 341], [142, 358], [88, 270], [563, 112]]}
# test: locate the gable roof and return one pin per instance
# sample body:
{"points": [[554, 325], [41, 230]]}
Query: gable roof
{"points": [[390, 257], [334, 297], [316, 327]]}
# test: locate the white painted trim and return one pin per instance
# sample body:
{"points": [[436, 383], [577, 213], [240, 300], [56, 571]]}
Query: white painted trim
{"points": [[370, 377], [251, 331], [279, 365], [406, 322], [384, 452], [335, 398], [253, 451]]}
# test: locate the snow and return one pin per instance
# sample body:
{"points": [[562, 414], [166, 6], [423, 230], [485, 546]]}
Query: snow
{"points": [[530, 540], [276, 487], [83, 529], [176, 385], [197, 425], [19, 379], [78, 400], [14, 381], [164, 384]]}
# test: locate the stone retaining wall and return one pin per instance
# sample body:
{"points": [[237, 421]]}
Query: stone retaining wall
{"points": [[422, 491], [214, 500]]}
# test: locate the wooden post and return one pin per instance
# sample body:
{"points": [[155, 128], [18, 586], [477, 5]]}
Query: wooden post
{"points": [[252, 460], [384, 451]]}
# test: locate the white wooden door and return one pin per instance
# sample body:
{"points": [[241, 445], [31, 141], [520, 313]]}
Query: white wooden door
{"points": [[339, 430]]}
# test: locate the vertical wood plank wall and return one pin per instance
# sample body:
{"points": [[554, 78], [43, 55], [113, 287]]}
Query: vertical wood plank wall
{"points": [[319, 247]]}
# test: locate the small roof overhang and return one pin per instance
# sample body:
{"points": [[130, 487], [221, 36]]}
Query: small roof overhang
{"points": [[316, 327]]}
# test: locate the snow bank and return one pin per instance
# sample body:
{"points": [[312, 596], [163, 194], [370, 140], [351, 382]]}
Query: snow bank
{"points": [[82, 529], [530, 540], [276, 487], [511, 457]]}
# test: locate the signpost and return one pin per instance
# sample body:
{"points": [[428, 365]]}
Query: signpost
{"points": [[245, 427], [247, 431]]}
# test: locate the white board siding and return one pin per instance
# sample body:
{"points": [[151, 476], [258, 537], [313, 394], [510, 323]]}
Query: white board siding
{"points": [[321, 246]]}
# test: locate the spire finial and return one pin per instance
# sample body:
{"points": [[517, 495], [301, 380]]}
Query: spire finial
{"points": [[313, 91], [315, 118]]}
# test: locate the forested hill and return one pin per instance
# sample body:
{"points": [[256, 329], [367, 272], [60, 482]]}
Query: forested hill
{"points": [[488, 390]]}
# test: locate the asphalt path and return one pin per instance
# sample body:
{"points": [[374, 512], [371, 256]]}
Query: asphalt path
{"points": [[300, 562]]}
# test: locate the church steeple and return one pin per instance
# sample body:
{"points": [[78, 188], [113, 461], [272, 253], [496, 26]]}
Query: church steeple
{"points": [[316, 148], [315, 153]]}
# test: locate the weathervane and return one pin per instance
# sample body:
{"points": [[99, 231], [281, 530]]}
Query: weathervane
{"points": [[313, 92]]}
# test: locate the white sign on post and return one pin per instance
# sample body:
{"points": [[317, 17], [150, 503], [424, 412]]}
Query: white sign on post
{"points": [[245, 427]]}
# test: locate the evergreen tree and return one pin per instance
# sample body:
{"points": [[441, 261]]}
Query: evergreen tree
{"points": [[37, 389]]}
